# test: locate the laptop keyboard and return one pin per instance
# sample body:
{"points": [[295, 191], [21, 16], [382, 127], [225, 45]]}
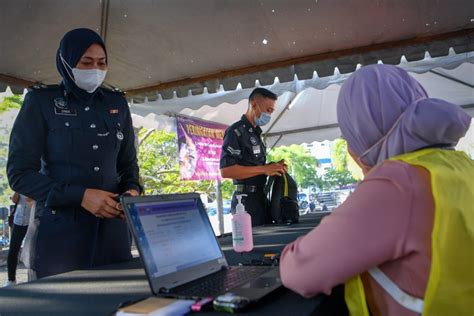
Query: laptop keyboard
{"points": [[220, 282]]}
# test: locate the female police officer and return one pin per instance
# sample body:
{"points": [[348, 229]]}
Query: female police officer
{"points": [[72, 151]]}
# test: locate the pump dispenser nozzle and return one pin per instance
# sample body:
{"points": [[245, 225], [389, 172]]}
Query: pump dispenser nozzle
{"points": [[240, 207]]}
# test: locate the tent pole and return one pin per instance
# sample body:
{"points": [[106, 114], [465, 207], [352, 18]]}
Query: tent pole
{"points": [[220, 212], [278, 118], [104, 17], [277, 141], [467, 106], [451, 78], [302, 130]]}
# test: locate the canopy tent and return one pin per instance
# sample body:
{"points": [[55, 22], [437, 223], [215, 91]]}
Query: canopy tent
{"points": [[185, 55], [306, 109], [161, 48]]}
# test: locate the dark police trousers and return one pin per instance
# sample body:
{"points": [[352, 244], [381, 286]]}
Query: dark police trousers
{"points": [[73, 239], [256, 204]]}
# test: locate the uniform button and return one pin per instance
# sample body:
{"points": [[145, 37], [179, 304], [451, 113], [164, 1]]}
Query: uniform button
{"points": [[67, 124], [93, 125], [96, 169], [95, 147], [87, 108]]}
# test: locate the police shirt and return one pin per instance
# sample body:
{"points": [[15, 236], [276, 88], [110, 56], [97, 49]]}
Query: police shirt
{"points": [[244, 146], [60, 145]]}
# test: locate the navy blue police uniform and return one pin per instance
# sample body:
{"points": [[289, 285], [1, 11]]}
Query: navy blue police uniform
{"points": [[59, 146], [243, 145]]}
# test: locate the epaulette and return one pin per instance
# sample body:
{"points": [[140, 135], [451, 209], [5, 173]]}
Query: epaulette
{"points": [[113, 90], [238, 128], [41, 86]]}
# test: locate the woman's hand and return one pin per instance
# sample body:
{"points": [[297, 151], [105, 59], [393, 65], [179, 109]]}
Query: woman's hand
{"points": [[119, 206], [29, 201], [101, 203], [133, 192], [15, 197]]}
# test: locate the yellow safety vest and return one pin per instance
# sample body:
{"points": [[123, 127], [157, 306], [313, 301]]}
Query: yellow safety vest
{"points": [[450, 289]]}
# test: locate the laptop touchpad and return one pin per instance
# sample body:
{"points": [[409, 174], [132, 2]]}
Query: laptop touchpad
{"points": [[261, 283]]}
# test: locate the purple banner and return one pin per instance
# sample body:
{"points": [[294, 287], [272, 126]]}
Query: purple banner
{"points": [[200, 145]]}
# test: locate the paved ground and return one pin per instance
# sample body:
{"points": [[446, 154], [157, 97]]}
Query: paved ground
{"points": [[21, 272]]}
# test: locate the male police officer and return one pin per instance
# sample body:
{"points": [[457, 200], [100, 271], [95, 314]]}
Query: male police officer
{"points": [[243, 155]]}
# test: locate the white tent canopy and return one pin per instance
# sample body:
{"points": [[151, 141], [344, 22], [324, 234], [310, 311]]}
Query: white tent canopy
{"points": [[158, 49], [306, 109], [184, 55]]}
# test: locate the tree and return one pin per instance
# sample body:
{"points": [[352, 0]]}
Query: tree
{"points": [[159, 167], [9, 103], [335, 178], [342, 160], [8, 111], [340, 154], [301, 165]]}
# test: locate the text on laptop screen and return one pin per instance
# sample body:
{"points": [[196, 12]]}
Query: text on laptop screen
{"points": [[173, 235]]}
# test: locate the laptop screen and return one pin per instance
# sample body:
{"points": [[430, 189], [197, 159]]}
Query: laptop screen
{"points": [[173, 234]]}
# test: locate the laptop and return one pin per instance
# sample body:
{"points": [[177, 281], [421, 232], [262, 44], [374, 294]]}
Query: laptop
{"points": [[181, 255]]}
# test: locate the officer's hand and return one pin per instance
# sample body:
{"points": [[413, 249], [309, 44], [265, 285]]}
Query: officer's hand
{"points": [[100, 203], [131, 192], [274, 169], [282, 162]]}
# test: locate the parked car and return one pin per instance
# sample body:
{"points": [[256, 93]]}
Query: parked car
{"points": [[303, 203], [212, 208], [4, 241]]}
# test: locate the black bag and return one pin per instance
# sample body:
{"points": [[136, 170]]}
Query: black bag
{"points": [[282, 192]]}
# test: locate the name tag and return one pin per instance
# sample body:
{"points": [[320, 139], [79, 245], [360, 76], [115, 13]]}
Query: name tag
{"points": [[69, 112], [256, 150]]}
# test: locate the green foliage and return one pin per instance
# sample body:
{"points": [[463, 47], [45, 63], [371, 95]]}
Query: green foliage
{"points": [[354, 169], [339, 154], [8, 103], [301, 165], [336, 178], [343, 161], [227, 188], [159, 167]]}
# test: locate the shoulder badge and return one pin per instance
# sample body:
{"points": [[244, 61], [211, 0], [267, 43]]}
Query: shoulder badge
{"points": [[253, 140], [115, 90], [40, 86], [60, 103]]}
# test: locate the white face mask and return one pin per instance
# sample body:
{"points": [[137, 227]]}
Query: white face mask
{"points": [[88, 79]]}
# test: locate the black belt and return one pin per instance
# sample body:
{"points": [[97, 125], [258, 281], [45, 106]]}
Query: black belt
{"points": [[246, 188]]}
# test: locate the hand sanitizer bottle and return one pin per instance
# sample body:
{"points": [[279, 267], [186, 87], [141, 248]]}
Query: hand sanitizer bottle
{"points": [[242, 239]]}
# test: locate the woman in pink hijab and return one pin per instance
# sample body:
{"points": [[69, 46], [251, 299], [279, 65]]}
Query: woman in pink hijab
{"points": [[388, 221]]}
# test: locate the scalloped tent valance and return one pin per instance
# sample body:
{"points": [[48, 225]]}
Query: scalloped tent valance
{"points": [[306, 109]]}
